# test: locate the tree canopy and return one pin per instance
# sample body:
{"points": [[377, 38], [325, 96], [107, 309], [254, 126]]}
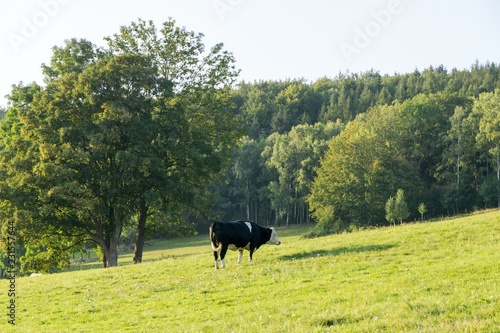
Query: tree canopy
{"points": [[117, 132], [418, 131]]}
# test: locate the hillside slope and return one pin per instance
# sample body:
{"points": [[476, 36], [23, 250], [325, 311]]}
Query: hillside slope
{"points": [[427, 277]]}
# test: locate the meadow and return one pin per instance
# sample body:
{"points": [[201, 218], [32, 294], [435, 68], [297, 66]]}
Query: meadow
{"points": [[441, 276]]}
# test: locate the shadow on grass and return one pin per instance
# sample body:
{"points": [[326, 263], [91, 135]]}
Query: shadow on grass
{"points": [[338, 251]]}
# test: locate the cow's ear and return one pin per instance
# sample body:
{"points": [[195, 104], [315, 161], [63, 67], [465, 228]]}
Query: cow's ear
{"points": [[269, 230]]}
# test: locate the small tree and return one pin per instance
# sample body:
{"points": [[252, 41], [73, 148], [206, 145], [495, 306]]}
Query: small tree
{"points": [[422, 210], [400, 207], [390, 211]]}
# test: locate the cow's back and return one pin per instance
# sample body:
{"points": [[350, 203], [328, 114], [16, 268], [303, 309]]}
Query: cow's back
{"points": [[239, 235], [236, 233]]}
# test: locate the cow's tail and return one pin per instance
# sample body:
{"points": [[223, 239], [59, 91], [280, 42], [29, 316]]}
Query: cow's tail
{"points": [[216, 246]]}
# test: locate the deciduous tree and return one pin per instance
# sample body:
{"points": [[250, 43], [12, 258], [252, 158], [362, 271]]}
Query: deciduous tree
{"points": [[121, 131], [488, 107]]}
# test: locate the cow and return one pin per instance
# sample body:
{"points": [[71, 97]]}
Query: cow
{"points": [[239, 236]]}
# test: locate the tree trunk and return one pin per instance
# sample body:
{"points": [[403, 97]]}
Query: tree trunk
{"points": [[115, 239], [109, 254], [140, 234], [105, 249], [108, 242], [112, 258]]}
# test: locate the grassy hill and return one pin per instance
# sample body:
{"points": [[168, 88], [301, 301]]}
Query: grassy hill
{"points": [[429, 277]]}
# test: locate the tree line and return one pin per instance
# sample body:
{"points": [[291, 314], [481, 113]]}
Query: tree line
{"points": [[335, 150], [149, 135]]}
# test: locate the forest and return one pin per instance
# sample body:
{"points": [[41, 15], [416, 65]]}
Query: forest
{"points": [[153, 135], [335, 150]]}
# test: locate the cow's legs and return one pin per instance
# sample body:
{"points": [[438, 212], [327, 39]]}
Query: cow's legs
{"points": [[251, 252], [240, 256], [223, 255], [216, 263]]}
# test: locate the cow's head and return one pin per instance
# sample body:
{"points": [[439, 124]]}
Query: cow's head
{"points": [[274, 237]]}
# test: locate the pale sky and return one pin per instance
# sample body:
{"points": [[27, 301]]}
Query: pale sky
{"points": [[270, 39]]}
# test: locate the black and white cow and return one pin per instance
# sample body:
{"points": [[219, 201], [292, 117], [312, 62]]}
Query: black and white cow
{"points": [[239, 235]]}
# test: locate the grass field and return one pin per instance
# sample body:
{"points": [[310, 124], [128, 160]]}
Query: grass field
{"points": [[427, 277]]}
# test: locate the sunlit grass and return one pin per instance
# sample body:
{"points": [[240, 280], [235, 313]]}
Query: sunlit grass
{"points": [[429, 277]]}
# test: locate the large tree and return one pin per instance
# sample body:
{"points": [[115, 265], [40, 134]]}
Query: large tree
{"points": [[362, 167], [487, 109], [198, 90], [123, 131]]}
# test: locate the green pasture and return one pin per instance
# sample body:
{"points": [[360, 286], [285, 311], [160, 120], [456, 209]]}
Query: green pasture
{"points": [[427, 277]]}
